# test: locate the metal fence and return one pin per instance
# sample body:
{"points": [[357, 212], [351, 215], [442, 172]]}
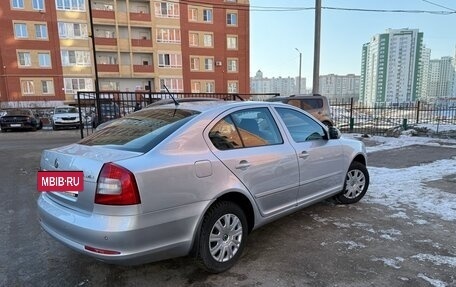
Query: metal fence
{"points": [[110, 105], [350, 116]]}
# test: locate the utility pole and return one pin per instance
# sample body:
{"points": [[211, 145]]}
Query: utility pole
{"points": [[316, 67], [95, 67], [300, 65]]}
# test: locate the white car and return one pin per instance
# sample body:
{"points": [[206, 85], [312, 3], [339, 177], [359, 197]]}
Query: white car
{"points": [[65, 116]]}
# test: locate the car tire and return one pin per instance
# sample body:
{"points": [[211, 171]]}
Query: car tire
{"points": [[223, 234], [327, 123], [54, 127], [356, 184]]}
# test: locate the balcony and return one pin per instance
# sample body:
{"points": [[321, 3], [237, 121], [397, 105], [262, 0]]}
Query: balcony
{"points": [[106, 41], [141, 16], [143, 68], [108, 68], [141, 42], [103, 14]]}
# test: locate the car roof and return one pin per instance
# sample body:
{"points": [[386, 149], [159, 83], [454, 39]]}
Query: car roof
{"points": [[203, 106], [181, 100]]}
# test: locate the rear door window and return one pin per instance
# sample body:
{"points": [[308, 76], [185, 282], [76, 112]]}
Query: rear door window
{"points": [[246, 128]]}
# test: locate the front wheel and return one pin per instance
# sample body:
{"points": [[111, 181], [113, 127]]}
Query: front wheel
{"points": [[356, 184], [223, 235]]}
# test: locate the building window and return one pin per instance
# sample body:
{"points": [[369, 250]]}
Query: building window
{"points": [[18, 4], [193, 39], [232, 65], [231, 19], [231, 42], [73, 85], [44, 60], [192, 14], [168, 35], [107, 59], [27, 87], [169, 60], [24, 59], [196, 87], [167, 9], [20, 30], [41, 31], [208, 40], [73, 5], [207, 15], [208, 64], [209, 87], [38, 4], [109, 86], [72, 30], [173, 84], [75, 58], [232, 87], [47, 87], [194, 64]]}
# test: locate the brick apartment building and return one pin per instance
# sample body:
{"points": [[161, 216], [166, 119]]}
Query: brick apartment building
{"points": [[46, 51]]}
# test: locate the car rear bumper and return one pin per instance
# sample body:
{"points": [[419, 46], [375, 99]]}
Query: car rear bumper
{"points": [[137, 238]]}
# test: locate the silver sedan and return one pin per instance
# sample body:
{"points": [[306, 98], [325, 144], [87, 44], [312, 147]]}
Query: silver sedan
{"points": [[195, 179]]}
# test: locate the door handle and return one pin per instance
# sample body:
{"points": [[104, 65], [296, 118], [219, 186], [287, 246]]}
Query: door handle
{"points": [[243, 164], [304, 155]]}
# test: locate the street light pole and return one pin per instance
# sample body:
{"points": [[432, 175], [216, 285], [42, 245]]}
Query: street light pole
{"points": [[300, 64], [316, 68]]}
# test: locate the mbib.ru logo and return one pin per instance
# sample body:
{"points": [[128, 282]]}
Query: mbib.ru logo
{"points": [[60, 181]]}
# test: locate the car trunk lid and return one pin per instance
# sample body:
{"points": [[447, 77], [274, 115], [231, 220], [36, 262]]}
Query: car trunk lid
{"points": [[89, 160]]}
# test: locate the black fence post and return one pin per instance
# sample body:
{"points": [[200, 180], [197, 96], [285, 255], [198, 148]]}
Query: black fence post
{"points": [[418, 112], [352, 120]]}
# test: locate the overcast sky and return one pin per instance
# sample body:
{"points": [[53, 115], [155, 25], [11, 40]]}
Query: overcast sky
{"points": [[276, 32]]}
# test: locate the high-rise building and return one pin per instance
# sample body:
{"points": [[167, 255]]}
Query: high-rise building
{"points": [[47, 56], [441, 79], [340, 87], [425, 73], [390, 67], [283, 86]]}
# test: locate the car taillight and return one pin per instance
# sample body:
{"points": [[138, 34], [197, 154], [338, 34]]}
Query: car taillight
{"points": [[116, 186]]}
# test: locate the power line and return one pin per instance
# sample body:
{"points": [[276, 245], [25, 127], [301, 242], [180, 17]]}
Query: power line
{"points": [[449, 11], [438, 5]]}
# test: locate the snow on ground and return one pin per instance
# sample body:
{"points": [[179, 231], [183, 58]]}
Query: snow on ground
{"points": [[397, 188]]}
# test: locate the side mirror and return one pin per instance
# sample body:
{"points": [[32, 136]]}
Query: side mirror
{"points": [[334, 133]]}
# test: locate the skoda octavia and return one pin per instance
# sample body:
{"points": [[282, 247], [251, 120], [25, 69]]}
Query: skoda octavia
{"points": [[195, 179]]}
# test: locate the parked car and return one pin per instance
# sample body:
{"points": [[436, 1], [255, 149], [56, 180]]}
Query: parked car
{"points": [[109, 111], [65, 116], [317, 105], [196, 179], [20, 119]]}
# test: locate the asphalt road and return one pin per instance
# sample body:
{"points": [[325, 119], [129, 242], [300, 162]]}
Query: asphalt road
{"points": [[323, 245]]}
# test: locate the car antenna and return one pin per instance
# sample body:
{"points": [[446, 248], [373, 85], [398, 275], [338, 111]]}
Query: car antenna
{"points": [[171, 95]]}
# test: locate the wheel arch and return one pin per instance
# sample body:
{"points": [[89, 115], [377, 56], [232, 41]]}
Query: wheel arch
{"points": [[361, 159], [234, 196]]}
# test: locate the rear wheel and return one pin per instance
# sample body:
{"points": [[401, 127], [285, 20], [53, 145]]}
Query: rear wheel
{"points": [[223, 235], [356, 184]]}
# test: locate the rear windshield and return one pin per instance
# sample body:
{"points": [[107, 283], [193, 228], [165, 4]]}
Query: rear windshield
{"points": [[66, 110], [140, 131], [18, 113]]}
